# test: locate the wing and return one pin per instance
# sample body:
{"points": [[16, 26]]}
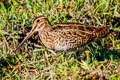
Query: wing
{"points": [[75, 35]]}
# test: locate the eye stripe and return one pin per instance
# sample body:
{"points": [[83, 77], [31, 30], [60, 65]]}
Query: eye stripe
{"points": [[41, 24]]}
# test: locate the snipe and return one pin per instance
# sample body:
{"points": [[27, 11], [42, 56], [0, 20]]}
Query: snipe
{"points": [[61, 37]]}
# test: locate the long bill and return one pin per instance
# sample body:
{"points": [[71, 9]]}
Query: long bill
{"points": [[26, 38]]}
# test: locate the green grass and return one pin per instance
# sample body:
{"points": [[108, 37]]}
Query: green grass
{"points": [[41, 64]]}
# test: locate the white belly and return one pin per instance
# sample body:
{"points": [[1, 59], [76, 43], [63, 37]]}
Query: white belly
{"points": [[61, 48]]}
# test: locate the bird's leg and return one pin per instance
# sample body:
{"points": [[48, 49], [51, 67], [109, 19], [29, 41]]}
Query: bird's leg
{"points": [[87, 52], [52, 51], [83, 50]]}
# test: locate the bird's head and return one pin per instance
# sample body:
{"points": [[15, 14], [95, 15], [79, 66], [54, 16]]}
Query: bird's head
{"points": [[39, 23]]}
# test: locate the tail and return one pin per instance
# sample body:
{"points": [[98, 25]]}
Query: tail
{"points": [[101, 31]]}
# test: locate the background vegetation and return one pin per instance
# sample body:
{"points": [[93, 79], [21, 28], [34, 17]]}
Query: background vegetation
{"points": [[35, 63]]}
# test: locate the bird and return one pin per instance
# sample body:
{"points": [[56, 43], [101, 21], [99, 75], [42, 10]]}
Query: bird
{"points": [[64, 36]]}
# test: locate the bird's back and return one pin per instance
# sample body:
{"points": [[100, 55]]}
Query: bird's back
{"points": [[67, 36]]}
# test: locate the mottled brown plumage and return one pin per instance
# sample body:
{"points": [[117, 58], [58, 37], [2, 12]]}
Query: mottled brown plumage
{"points": [[61, 37]]}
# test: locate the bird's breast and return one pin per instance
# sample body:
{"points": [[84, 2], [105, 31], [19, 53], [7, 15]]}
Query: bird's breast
{"points": [[48, 39]]}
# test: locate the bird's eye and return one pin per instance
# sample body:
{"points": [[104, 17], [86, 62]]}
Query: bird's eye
{"points": [[38, 20]]}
